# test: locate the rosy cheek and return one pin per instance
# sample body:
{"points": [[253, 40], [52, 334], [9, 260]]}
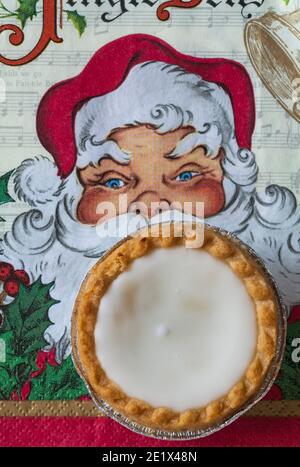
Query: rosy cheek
{"points": [[210, 192], [89, 209]]}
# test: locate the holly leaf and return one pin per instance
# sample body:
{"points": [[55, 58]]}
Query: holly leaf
{"points": [[289, 376], [78, 21], [8, 383], [4, 196], [27, 317], [14, 370], [58, 383], [26, 11]]}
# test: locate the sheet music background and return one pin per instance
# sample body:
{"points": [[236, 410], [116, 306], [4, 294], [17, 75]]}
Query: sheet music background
{"points": [[203, 31]]}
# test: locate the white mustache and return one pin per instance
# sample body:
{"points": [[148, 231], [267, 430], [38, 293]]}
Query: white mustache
{"points": [[93, 241], [127, 224]]}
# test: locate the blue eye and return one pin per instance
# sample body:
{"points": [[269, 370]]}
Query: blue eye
{"points": [[114, 183], [186, 176]]}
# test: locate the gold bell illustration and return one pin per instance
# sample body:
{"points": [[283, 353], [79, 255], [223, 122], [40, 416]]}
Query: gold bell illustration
{"points": [[273, 45]]}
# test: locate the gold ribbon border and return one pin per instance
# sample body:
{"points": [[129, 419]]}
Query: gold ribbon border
{"points": [[88, 409]]}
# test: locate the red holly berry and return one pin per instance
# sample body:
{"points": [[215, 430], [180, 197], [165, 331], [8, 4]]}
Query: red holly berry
{"points": [[22, 276], [6, 270], [12, 287]]}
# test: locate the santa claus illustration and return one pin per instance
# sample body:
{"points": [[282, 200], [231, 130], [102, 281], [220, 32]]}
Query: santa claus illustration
{"points": [[148, 122]]}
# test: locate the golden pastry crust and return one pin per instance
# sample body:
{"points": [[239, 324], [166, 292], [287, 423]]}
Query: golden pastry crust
{"points": [[258, 285]]}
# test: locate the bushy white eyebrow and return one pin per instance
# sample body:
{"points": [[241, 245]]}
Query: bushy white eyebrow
{"points": [[211, 139], [97, 150]]}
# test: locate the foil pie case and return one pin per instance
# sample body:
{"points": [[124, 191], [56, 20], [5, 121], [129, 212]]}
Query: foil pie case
{"points": [[270, 376]]}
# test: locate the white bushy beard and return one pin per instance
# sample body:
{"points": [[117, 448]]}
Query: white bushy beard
{"points": [[49, 241]]}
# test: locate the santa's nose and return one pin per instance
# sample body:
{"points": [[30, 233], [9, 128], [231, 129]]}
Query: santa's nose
{"points": [[149, 204]]}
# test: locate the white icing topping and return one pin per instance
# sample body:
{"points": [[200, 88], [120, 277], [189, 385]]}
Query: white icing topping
{"points": [[177, 329]]}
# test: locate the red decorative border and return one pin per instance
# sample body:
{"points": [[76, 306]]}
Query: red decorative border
{"points": [[95, 431]]}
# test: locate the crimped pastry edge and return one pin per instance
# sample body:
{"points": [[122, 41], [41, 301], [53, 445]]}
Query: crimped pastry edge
{"points": [[86, 308]]}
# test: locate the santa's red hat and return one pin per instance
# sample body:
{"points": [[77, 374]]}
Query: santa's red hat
{"points": [[108, 68]]}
